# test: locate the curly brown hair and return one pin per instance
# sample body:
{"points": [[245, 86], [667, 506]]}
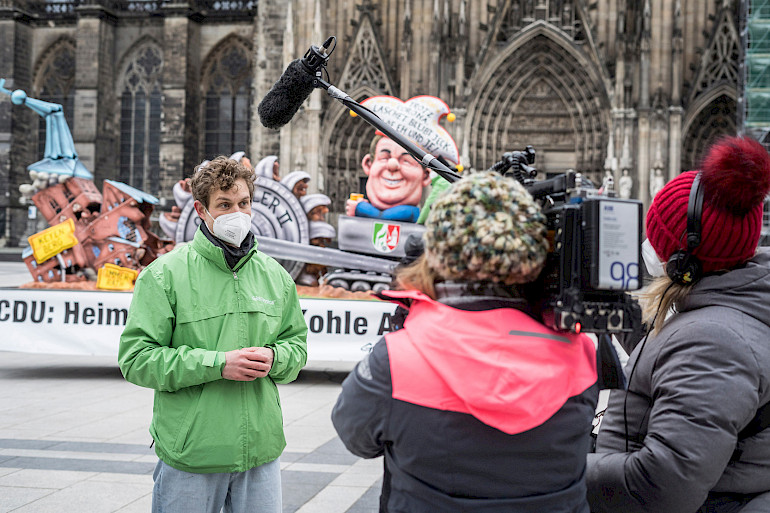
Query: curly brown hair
{"points": [[220, 173]]}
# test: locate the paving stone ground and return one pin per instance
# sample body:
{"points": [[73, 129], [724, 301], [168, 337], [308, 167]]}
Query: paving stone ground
{"points": [[74, 439]]}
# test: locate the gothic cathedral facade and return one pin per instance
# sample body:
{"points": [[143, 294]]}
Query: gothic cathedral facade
{"points": [[150, 88]]}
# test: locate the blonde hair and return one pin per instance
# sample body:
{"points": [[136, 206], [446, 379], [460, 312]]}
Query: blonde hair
{"points": [[658, 298], [417, 276]]}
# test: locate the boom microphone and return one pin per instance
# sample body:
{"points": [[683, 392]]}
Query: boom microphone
{"points": [[287, 95]]}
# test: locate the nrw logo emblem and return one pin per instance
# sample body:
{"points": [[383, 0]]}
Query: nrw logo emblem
{"points": [[385, 237]]}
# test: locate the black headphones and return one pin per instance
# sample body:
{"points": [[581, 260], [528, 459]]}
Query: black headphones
{"points": [[683, 267]]}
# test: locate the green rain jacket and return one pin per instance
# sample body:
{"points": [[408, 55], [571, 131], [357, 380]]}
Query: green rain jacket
{"points": [[188, 309]]}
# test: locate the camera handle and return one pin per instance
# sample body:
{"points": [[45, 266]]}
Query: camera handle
{"points": [[519, 164]]}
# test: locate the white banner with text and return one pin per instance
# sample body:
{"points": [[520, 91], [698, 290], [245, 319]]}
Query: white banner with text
{"points": [[90, 323]]}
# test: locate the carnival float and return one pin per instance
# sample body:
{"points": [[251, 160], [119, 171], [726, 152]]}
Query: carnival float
{"points": [[83, 265]]}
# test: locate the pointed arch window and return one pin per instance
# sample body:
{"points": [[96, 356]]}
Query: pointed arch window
{"points": [[715, 120], [543, 96], [349, 142], [56, 80], [140, 108], [227, 92]]}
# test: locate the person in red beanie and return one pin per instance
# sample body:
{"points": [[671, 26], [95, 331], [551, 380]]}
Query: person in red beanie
{"points": [[689, 434]]}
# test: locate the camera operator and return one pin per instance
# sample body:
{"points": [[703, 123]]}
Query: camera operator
{"points": [[689, 433], [475, 404]]}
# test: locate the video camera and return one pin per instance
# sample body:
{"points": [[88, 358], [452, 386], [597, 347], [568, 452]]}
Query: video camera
{"points": [[595, 246], [595, 250]]}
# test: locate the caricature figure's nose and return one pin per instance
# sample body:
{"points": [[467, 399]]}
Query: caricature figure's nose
{"points": [[393, 163]]}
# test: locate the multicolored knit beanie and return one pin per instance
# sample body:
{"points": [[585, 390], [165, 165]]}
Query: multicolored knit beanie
{"points": [[486, 227], [735, 180]]}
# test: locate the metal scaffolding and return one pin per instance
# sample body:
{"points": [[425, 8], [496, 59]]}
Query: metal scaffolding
{"points": [[755, 88], [756, 72]]}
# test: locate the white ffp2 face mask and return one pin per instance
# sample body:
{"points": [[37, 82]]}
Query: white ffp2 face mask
{"points": [[654, 266], [232, 227]]}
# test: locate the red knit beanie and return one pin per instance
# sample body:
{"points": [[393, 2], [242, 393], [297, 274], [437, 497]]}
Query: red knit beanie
{"points": [[735, 180]]}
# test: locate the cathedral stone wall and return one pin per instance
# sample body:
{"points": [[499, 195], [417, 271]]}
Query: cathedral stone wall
{"points": [[607, 87]]}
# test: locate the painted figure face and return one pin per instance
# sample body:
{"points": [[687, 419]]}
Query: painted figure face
{"points": [[300, 188], [395, 177], [318, 213]]}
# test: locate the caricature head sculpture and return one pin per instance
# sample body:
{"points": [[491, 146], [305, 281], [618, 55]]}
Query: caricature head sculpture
{"points": [[394, 177]]}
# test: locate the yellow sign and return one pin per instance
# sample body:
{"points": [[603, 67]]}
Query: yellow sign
{"points": [[53, 240], [114, 277]]}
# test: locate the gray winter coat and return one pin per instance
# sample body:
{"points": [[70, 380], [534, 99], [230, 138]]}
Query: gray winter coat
{"points": [[696, 385]]}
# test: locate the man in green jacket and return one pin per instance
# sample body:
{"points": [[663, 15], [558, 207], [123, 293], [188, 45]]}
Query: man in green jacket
{"points": [[213, 326]]}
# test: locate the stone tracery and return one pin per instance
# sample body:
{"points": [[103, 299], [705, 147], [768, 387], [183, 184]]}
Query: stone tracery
{"points": [[140, 114], [712, 97], [55, 82], [541, 95], [364, 75], [226, 92]]}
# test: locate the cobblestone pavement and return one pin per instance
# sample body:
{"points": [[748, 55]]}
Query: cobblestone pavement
{"points": [[74, 439], [13, 274]]}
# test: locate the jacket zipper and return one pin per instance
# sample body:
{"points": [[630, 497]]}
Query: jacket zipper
{"points": [[244, 432], [235, 271]]}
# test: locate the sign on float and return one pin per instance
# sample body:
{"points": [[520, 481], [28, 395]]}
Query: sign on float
{"points": [[90, 322]]}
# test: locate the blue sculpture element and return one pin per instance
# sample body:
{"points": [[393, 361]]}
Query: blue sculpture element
{"points": [[60, 156], [140, 196]]}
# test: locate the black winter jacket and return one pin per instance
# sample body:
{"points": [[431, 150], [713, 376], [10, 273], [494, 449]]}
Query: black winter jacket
{"points": [[696, 385], [446, 461]]}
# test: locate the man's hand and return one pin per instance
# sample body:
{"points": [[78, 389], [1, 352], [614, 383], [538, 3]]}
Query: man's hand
{"points": [[248, 364]]}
